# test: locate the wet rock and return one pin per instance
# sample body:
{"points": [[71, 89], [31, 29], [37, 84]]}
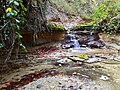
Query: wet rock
{"points": [[93, 37], [39, 86], [96, 44], [71, 42], [89, 38], [67, 45]]}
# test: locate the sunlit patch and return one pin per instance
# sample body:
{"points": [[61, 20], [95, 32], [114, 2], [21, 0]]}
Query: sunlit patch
{"points": [[8, 10]]}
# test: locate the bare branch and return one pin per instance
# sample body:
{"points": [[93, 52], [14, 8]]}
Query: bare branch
{"points": [[4, 26]]}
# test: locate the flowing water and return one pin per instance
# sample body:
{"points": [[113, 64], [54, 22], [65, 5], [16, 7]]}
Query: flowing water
{"points": [[73, 40]]}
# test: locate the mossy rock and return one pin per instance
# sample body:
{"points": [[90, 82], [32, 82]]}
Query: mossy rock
{"points": [[83, 56], [56, 26], [82, 28]]}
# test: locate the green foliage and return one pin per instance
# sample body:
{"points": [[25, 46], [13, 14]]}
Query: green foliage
{"points": [[14, 13], [55, 26], [107, 17]]}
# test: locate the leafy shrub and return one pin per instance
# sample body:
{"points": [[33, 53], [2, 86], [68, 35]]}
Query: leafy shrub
{"points": [[12, 19], [107, 17]]}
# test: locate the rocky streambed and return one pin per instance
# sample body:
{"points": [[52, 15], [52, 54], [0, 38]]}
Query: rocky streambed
{"points": [[53, 68]]}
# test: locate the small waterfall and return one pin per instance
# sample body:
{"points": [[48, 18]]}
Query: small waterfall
{"points": [[75, 42], [72, 40]]}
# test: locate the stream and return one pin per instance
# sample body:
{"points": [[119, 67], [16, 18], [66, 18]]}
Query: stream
{"points": [[75, 68], [99, 72]]}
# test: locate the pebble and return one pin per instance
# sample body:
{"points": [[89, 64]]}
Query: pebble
{"points": [[74, 73], [39, 86], [52, 87], [105, 78]]}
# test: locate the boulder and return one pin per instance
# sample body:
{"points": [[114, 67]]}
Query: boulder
{"points": [[88, 38], [96, 44]]}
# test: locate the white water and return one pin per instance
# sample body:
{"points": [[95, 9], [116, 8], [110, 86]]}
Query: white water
{"points": [[75, 42]]}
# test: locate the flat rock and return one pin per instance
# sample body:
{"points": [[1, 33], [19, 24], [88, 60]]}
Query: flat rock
{"points": [[92, 60], [76, 59], [64, 60]]}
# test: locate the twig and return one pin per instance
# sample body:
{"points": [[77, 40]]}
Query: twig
{"points": [[4, 26]]}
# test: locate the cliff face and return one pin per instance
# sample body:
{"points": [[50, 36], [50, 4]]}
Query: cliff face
{"points": [[81, 8]]}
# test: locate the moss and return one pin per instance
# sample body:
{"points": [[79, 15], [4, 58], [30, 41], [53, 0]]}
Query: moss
{"points": [[83, 56], [82, 27], [56, 26]]}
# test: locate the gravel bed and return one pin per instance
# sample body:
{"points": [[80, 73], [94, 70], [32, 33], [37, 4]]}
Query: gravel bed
{"points": [[61, 82]]}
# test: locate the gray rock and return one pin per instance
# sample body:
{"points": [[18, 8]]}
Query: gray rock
{"points": [[92, 60], [96, 44], [39, 86], [64, 60], [88, 38]]}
